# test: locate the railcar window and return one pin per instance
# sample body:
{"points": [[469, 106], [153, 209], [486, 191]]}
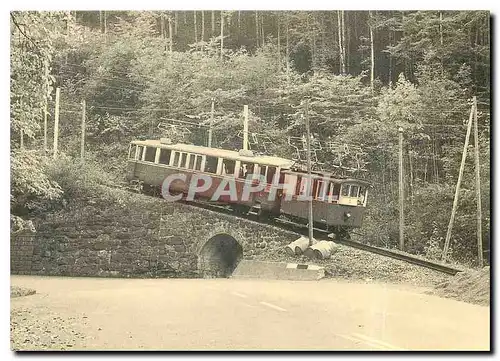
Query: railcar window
{"points": [[263, 170], [199, 158], [246, 169], [192, 159], [211, 164], [334, 192], [345, 190], [303, 186], [131, 152], [361, 198], [150, 154], [270, 174], [354, 191], [165, 156], [183, 160], [228, 166], [321, 188], [177, 155], [141, 149]]}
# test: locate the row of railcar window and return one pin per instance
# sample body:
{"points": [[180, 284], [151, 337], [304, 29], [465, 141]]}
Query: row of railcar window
{"points": [[204, 163]]}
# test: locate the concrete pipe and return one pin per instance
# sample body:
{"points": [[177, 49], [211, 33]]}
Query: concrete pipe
{"points": [[297, 247]]}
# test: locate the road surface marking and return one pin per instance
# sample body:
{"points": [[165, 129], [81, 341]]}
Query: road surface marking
{"points": [[378, 342], [357, 341], [272, 306], [239, 294], [248, 305]]}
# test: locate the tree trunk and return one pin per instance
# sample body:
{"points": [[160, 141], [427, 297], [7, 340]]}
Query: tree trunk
{"points": [[343, 44], [263, 38], [372, 58], [279, 44], [176, 21], [392, 36], [101, 22], [287, 52], [441, 27], [257, 27], [213, 22], [341, 49], [162, 26], [347, 42], [195, 30], [202, 25], [170, 37], [221, 35]]}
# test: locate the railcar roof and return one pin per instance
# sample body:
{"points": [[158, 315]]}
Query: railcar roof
{"points": [[216, 152], [336, 179]]}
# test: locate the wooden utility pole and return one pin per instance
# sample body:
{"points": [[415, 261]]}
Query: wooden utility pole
{"points": [[309, 176], [211, 124], [245, 127], [56, 122], [478, 190], [401, 193], [82, 145], [372, 68], [457, 189]]}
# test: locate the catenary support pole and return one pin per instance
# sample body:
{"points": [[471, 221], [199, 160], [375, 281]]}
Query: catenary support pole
{"points": [[401, 194], [478, 190], [309, 176], [457, 189]]}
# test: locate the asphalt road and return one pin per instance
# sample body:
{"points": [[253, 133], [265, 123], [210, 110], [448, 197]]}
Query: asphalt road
{"points": [[231, 314]]}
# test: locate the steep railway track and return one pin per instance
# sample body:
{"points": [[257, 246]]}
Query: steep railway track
{"points": [[320, 234]]}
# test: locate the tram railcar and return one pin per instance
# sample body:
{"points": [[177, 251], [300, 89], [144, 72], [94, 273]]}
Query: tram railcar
{"points": [[338, 203]]}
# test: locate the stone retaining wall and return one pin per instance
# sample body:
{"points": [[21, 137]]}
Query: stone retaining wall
{"points": [[132, 235]]}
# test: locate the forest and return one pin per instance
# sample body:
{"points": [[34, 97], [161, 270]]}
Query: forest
{"points": [[364, 74]]}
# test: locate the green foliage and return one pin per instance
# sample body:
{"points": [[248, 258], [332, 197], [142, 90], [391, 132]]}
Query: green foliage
{"points": [[77, 179], [31, 188]]}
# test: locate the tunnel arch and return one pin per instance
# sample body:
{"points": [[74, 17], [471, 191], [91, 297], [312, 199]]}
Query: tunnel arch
{"points": [[219, 256]]}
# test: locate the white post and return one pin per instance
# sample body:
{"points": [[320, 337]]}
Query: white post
{"points": [[310, 184]]}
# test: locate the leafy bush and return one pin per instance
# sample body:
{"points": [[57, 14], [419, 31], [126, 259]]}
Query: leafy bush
{"points": [[78, 179]]}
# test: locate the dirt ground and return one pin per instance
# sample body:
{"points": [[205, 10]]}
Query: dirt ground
{"points": [[472, 286]]}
